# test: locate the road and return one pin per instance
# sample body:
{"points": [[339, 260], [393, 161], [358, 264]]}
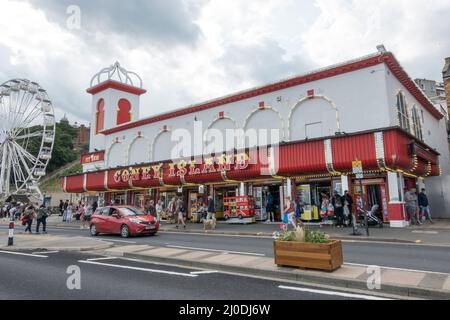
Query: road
{"points": [[41, 275], [404, 256]]}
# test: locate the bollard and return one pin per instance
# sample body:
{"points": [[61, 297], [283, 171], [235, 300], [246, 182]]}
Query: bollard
{"points": [[11, 234]]}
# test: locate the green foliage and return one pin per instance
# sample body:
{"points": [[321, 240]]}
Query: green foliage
{"points": [[310, 236]]}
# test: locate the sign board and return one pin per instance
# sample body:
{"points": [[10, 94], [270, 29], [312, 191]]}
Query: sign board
{"points": [[358, 169]]}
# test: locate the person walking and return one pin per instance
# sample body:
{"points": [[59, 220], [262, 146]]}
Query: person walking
{"points": [[150, 208], [270, 207], [27, 218], [181, 211], [86, 216], [348, 205], [424, 207], [159, 209], [289, 212], [172, 207], [61, 208], [65, 206], [41, 218], [70, 209], [338, 204], [412, 206], [94, 207], [211, 209]]}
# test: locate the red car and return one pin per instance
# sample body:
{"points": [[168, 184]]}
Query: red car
{"points": [[124, 220]]}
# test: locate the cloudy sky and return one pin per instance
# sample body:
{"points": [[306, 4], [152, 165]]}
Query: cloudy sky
{"points": [[188, 51]]}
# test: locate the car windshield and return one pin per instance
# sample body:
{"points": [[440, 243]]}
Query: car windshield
{"points": [[132, 212]]}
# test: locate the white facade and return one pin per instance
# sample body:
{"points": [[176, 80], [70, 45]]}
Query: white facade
{"points": [[349, 102]]}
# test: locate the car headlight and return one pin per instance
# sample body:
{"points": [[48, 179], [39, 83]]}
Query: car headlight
{"points": [[137, 221]]}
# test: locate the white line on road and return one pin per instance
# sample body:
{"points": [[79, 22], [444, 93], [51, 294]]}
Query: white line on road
{"points": [[333, 293], [112, 240], [425, 232], [24, 254], [204, 272], [138, 269], [46, 252], [216, 250], [104, 258], [393, 268]]}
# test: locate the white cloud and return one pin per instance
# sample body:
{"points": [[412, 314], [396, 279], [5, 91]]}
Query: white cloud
{"points": [[228, 45]]}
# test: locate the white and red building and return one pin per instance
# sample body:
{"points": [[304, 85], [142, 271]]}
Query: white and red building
{"points": [[367, 109]]}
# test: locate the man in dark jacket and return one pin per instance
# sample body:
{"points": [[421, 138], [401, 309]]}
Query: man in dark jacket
{"points": [[348, 205], [424, 206], [338, 204], [211, 209]]}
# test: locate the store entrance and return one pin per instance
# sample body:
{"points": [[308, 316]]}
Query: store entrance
{"points": [[219, 195]]}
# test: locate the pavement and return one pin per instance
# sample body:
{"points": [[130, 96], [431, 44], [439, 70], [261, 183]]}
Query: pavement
{"points": [[433, 234], [47, 242], [407, 284]]}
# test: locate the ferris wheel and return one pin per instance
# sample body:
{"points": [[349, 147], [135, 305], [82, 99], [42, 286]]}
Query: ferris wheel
{"points": [[27, 135]]}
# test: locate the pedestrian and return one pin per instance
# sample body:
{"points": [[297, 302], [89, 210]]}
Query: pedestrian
{"points": [[159, 209], [338, 204], [61, 208], [211, 209], [41, 217], [150, 208], [181, 212], [65, 206], [172, 208], [348, 205], [299, 210], [27, 218], [424, 207], [79, 211], [70, 209], [94, 207], [289, 214], [86, 216], [270, 207], [412, 206]]}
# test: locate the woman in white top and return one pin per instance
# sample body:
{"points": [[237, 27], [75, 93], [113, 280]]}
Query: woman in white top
{"points": [[70, 209], [159, 210]]}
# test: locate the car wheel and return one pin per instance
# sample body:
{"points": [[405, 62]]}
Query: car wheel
{"points": [[124, 231], [226, 217], [240, 217], [93, 229]]}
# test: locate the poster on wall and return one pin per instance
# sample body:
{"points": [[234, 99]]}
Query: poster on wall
{"points": [[304, 192], [384, 203]]}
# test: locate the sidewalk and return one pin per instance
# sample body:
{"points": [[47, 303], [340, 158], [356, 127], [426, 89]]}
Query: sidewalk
{"points": [[406, 284], [436, 234], [52, 243]]}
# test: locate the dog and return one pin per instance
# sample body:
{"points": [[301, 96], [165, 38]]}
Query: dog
{"points": [[209, 224]]}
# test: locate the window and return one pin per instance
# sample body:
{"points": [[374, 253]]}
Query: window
{"points": [[123, 112], [402, 110], [100, 116], [416, 124]]}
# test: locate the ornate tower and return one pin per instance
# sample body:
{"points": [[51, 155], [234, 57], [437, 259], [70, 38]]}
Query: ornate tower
{"points": [[115, 101]]}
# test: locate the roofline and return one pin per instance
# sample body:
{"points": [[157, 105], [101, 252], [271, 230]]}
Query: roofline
{"points": [[331, 71]]}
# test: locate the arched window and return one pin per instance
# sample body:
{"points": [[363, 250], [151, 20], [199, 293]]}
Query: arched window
{"points": [[416, 124], [402, 111], [123, 111], [100, 116]]}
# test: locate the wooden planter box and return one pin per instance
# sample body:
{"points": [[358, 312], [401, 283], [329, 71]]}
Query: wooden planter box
{"points": [[326, 257]]}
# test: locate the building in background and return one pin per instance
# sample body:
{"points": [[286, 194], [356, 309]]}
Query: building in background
{"points": [[366, 109], [81, 140]]}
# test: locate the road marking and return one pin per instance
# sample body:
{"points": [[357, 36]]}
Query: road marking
{"points": [[216, 250], [104, 258], [138, 269], [393, 268], [425, 232], [204, 272], [112, 240], [334, 293], [24, 254], [45, 252]]}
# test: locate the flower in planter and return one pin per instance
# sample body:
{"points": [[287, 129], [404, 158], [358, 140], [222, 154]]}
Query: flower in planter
{"points": [[302, 234]]}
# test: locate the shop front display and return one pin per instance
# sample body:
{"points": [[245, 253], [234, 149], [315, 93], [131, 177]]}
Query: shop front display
{"points": [[240, 207]]}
